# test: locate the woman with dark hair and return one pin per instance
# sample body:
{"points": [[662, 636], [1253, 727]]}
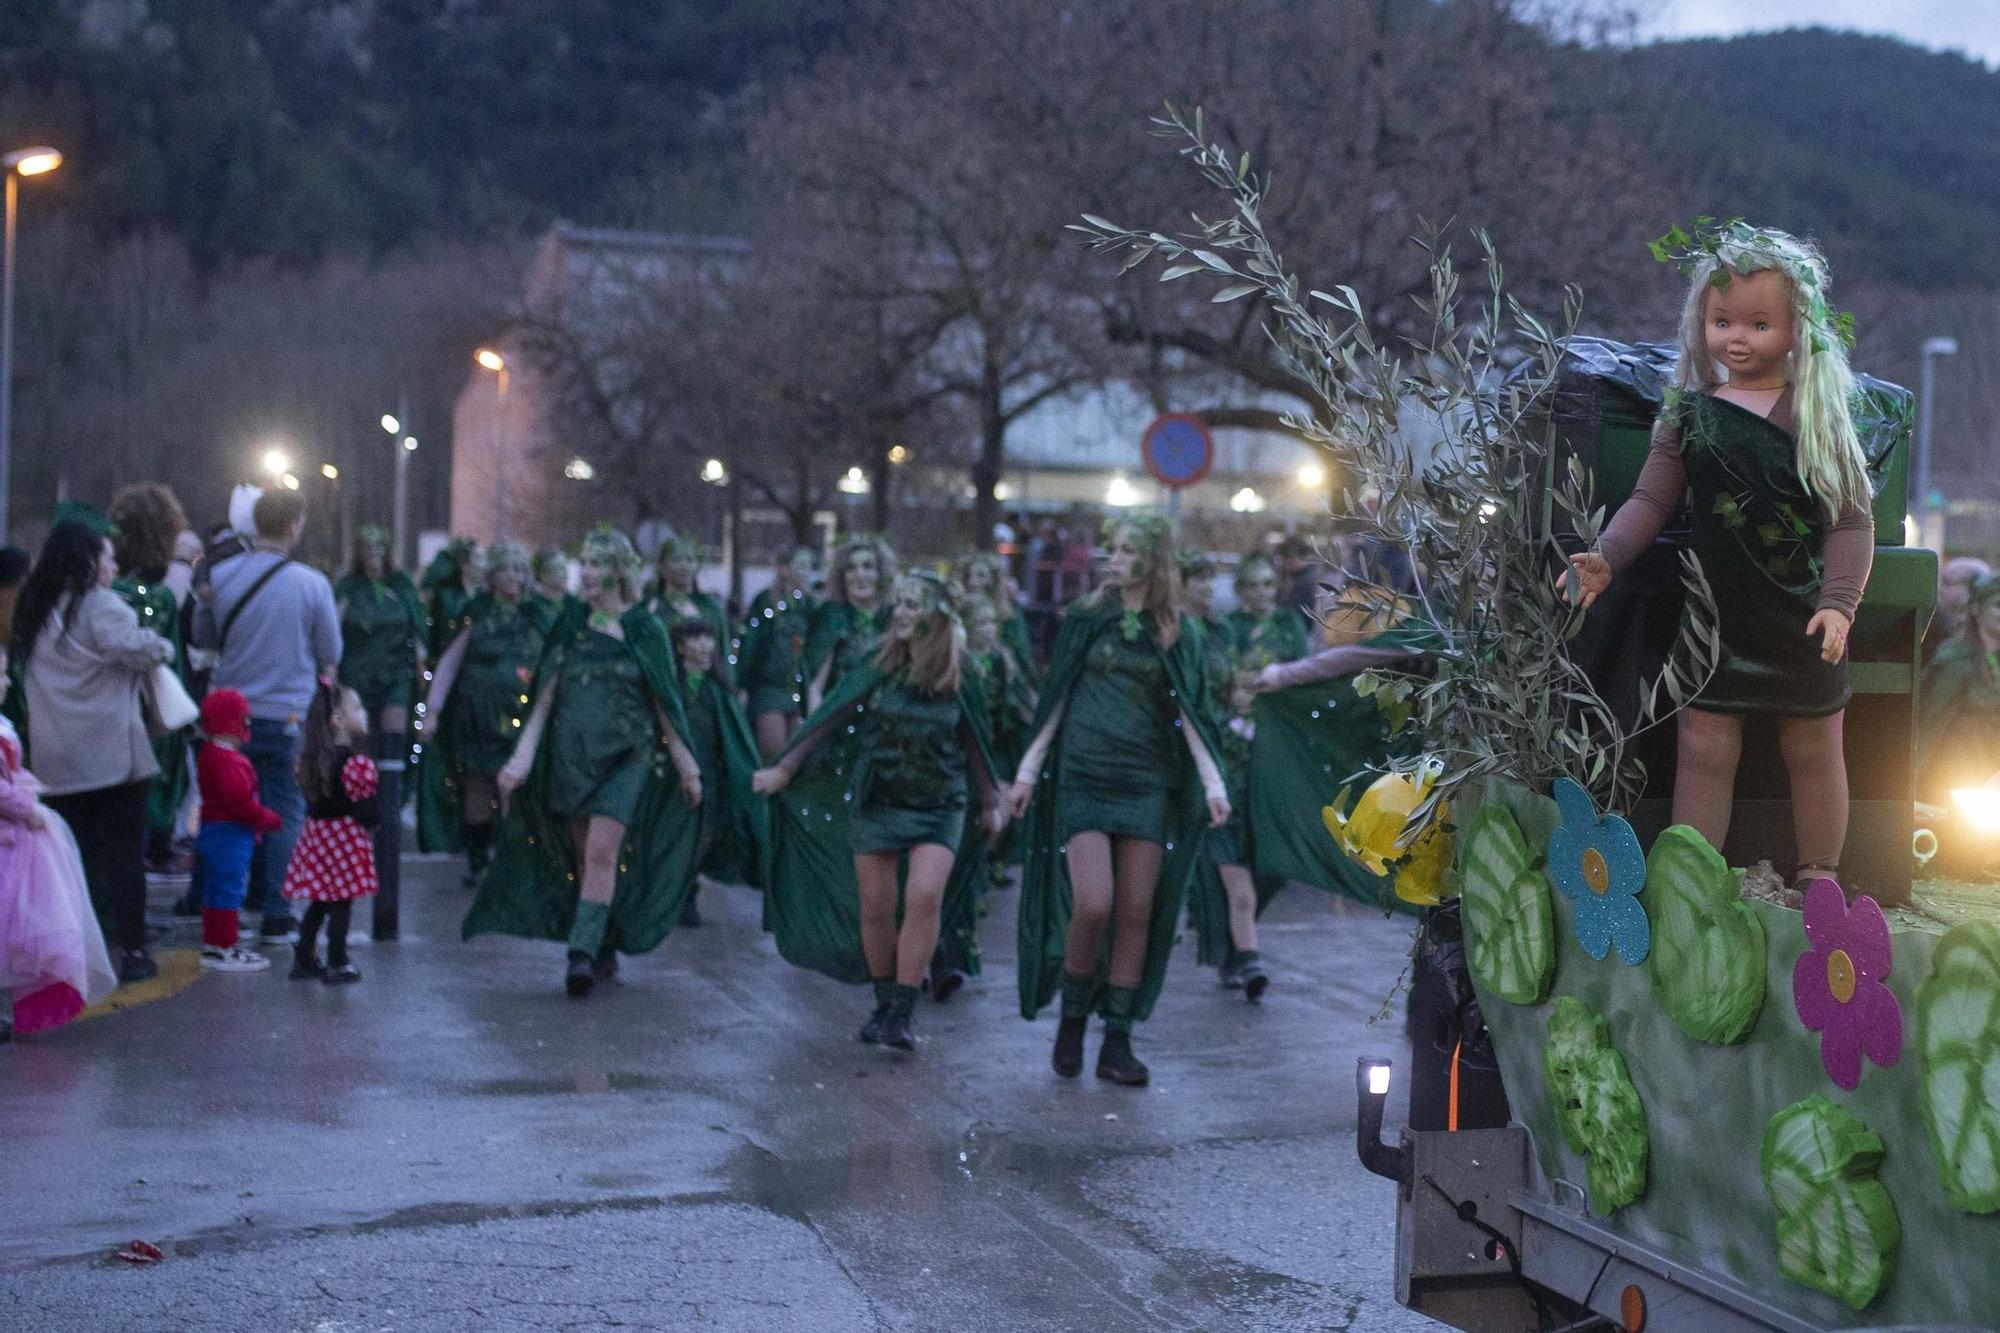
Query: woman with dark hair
{"points": [[149, 522], [1263, 631], [774, 638], [1126, 733], [86, 659]]}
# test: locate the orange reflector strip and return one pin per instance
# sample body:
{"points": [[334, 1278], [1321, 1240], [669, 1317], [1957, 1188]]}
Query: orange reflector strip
{"points": [[1632, 1309]]}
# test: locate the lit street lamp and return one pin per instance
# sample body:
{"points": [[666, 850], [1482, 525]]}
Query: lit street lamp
{"points": [[24, 162], [489, 359], [1929, 523], [276, 462]]}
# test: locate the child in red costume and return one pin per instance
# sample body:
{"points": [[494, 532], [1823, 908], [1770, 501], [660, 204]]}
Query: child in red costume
{"points": [[232, 819]]}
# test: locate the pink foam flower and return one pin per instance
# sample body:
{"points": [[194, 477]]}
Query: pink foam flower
{"points": [[1838, 984]]}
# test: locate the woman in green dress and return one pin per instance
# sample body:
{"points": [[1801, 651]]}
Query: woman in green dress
{"points": [[454, 577], [1958, 737], [1259, 628], [551, 592], [774, 638], [1118, 788], [147, 522], [735, 823], [385, 644], [473, 714], [675, 597], [984, 574], [854, 614], [919, 726], [599, 830]]}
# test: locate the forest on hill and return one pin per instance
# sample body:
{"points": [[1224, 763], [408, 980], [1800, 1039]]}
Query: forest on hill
{"points": [[285, 214]]}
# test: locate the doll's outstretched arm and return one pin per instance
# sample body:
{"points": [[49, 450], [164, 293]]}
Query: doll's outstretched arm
{"points": [[1849, 554]]}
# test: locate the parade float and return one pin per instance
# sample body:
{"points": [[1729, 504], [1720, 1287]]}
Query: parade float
{"points": [[1718, 1100]]}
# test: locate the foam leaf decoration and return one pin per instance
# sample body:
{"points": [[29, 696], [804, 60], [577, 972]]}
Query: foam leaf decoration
{"points": [[1595, 1103], [1837, 1227], [1958, 1039], [1707, 963], [1509, 924]]}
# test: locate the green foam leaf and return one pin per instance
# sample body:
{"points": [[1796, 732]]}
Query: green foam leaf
{"points": [[1595, 1103], [1509, 924], [1837, 1227], [1958, 1038], [1707, 961]]}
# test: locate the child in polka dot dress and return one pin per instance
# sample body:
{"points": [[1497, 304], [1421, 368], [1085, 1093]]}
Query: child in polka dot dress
{"points": [[334, 862]]}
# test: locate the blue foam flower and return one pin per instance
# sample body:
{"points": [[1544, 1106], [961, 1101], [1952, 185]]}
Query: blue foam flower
{"points": [[1596, 863]]}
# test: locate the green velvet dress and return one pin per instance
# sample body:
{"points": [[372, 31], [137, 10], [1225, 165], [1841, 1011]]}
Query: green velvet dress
{"points": [[1760, 536], [159, 612], [770, 661], [1121, 748], [699, 606], [602, 742], [842, 635], [812, 905], [482, 716], [382, 624], [1179, 807], [601, 735], [1282, 636], [911, 780]]}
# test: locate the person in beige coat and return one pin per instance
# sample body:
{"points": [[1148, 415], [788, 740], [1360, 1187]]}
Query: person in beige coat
{"points": [[86, 664]]}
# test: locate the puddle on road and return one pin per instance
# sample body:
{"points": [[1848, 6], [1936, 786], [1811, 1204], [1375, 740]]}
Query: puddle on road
{"points": [[584, 1081]]}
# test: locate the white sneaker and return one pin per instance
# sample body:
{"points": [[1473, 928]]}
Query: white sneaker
{"points": [[233, 959]]}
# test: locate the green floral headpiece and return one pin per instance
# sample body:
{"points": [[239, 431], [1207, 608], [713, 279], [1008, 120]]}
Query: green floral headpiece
{"points": [[1737, 247], [546, 558], [1194, 564], [607, 544], [1150, 528], [71, 511], [506, 554], [944, 594], [371, 534], [680, 546]]}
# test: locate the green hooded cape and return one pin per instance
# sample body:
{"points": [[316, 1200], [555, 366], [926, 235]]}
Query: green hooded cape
{"points": [[738, 820], [709, 607], [440, 793], [812, 904], [530, 890], [1043, 923]]}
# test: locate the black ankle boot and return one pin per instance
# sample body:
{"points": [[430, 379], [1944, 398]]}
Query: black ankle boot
{"points": [[306, 965], [898, 1030], [945, 980], [1116, 1062], [690, 912], [605, 966], [581, 976], [1067, 1058], [885, 999], [1251, 969]]}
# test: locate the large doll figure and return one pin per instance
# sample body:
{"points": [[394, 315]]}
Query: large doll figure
{"points": [[1757, 437]]}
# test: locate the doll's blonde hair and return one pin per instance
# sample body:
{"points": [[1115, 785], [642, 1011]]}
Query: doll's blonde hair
{"points": [[1830, 462]]}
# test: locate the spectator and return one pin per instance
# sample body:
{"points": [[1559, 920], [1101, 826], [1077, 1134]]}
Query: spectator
{"points": [[272, 625], [1955, 580], [86, 660], [13, 573]]}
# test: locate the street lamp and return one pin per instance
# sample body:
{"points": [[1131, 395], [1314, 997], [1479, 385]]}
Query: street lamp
{"points": [[489, 359], [276, 462], [714, 473], [1311, 476], [23, 162], [329, 471], [399, 523], [1929, 524]]}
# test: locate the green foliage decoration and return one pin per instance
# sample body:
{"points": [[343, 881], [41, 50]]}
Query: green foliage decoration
{"points": [[1707, 961], [1510, 923]]}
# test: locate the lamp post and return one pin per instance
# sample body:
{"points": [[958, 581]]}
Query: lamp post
{"points": [[1930, 525], [489, 359], [23, 162]]}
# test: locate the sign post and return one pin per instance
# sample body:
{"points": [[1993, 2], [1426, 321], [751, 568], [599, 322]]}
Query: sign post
{"points": [[1178, 450]]}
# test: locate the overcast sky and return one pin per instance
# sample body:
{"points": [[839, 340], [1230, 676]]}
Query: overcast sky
{"points": [[1971, 26]]}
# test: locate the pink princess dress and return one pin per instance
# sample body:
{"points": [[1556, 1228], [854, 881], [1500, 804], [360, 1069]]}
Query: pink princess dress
{"points": [[52, 956]]}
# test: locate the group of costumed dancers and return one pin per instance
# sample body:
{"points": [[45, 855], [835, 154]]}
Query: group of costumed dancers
{"points": [[876, 750]]}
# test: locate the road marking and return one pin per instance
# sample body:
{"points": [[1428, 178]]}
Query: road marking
{"points": [[179, 969]]}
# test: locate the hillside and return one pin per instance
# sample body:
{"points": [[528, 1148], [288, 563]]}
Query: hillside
{"points": [[1889, 153]]}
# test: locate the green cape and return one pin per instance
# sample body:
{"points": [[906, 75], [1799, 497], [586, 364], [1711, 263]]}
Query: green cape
{"points": [[711, 610], [768, 630], [740, 819], [530, 890], [1045, 891], [440, 796], [812, 904], [1313, 740]]}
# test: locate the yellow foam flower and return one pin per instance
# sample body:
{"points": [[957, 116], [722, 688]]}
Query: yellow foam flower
{"points": [[1369, 834], [1421, 879]]}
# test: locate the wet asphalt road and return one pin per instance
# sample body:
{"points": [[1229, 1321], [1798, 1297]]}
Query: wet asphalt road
{"points": [[454, 1144]]}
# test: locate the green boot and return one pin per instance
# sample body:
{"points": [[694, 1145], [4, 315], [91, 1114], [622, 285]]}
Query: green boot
{"points": [[586, 937]]}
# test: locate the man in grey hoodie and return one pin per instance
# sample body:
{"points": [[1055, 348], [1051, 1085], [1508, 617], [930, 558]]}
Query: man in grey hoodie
{"points": [[272, 625]]}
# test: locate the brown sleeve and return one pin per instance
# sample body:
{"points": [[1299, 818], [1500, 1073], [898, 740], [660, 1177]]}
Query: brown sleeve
{"points": [[1850, 550], [1662, 485]]}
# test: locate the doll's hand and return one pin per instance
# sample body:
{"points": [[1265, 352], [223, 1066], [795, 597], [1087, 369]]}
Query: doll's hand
{"points": [[770, 781], [1832, 627], [1218, 811], [1589, 573], [691, 788], [1019, 797]]}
